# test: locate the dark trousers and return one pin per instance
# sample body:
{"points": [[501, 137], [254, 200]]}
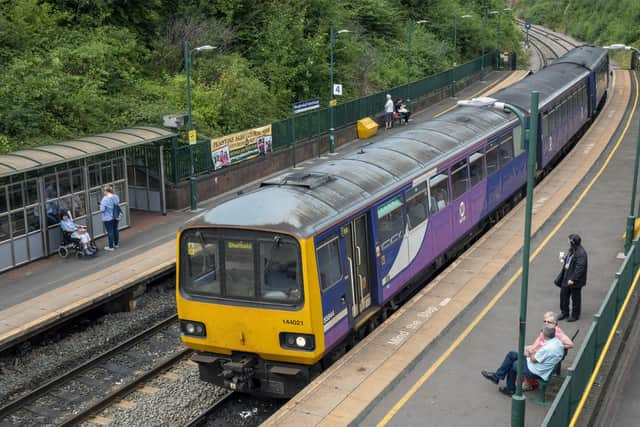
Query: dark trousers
{"points": [[574, 294], [112, 232], [509, 370]]}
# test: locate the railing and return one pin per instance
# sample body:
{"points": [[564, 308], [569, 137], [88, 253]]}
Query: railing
{"points": [[305, 126], [579, 374]]}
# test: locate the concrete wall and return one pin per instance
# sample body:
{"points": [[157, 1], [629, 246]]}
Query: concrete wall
{"points": [[234, 176]]}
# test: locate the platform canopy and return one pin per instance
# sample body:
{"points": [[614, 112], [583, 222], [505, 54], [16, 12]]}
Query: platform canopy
{"points": [[76, 149]]}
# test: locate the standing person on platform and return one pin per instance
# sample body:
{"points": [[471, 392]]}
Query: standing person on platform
{"points": [[388, 113], [109, 219], [572, 278]]}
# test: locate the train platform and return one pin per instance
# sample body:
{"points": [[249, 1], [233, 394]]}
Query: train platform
{"points": [[40, 294], [422, 366]]}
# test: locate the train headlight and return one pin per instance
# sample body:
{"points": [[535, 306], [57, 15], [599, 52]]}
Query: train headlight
{"points": [[194, 329], [297, 341]]}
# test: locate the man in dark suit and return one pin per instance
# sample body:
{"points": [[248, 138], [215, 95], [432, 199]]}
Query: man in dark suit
{"points": [[573, 278]]}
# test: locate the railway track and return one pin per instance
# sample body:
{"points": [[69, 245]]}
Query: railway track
{"points": [[548, 45], [235, 409], [75, 395]]}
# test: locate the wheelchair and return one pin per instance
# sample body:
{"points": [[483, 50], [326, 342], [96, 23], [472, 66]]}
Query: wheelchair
{"points": [[73, 244]]}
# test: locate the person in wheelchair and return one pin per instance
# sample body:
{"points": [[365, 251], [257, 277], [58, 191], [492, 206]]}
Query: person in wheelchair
{"points": [[77, 231]]}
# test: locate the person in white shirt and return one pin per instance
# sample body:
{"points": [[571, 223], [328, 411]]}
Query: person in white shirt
{"points": [[388, 113]]}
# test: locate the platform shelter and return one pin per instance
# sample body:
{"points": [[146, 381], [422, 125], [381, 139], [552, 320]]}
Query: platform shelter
{"points": [[37, 184]]}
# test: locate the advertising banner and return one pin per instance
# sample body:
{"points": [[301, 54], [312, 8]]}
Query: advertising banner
{"points": [[242, 145], [241, 141], [220, 157]]}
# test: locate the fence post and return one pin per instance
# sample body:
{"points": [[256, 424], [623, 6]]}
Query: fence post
{"points": [[293, 138], [174, 159]]}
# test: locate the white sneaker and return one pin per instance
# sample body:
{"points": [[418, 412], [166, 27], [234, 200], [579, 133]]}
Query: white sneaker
{"points": [[107, 248]]}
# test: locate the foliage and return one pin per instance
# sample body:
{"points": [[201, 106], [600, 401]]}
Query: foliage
{"points": [[74, 67], [600, 22]]}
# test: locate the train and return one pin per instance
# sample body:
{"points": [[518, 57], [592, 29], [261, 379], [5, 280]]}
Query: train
{"points": [[276, 284]]}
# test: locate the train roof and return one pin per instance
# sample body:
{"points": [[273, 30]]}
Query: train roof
{"points": [[305, 202], [554, 78]]}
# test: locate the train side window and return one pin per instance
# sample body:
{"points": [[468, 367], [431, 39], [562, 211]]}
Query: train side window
{"points": [[506, 151], [439, 190], [417, 205], [492, 157], [517, 141], [390, 222], [459, 178], [329, 265], [476, 168]]}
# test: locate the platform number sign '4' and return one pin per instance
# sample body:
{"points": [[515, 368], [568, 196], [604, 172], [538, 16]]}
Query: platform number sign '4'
{"points": [[337, 89]]}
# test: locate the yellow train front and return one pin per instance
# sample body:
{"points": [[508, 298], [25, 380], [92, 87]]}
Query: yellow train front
{"points": [[248, 298]]}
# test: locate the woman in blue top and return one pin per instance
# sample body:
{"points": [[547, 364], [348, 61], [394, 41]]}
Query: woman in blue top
{"points": [[110, 222]]}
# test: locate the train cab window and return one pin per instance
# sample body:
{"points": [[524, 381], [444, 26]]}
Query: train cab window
{"points": [[505, 153], [329, 265], [417, 205], [390, 222], [459, 178], [202, 258], [280, 262], [491, 156], [476, 168], [238, 268], [439, 190], [253, 266]]}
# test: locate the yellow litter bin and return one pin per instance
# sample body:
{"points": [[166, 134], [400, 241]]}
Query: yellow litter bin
{"points": [[367, 128]]}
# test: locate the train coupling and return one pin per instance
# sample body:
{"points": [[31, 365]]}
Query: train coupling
{"points": [[238, 374]]}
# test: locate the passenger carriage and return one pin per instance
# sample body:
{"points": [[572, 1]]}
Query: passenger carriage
{"points": [[277, 282]]}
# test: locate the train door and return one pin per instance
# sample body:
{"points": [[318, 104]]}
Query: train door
{"points": [[355, 235], [462, 216]]}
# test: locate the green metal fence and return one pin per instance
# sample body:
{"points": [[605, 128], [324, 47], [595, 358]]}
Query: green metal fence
{"points": [[574, 385], [302, 127]]}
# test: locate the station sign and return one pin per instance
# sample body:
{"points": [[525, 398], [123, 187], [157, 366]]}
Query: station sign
{"points": [[302, 106], [193, 137]]}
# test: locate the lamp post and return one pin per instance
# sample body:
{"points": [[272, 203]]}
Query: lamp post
{"points": [[332, 42], [498, 13], [187, 66], [631, 219], [518, 399], [455, 30], [409, 50], [484, 42]]}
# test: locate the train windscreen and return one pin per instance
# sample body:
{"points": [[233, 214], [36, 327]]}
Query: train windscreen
{"points": [[244, 265]]}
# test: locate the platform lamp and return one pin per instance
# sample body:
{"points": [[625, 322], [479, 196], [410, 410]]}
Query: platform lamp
{"points": [[518, 399], [631, 219], [332, 42], [499, 14], [455, 31], [187, 67], [410, 51]]}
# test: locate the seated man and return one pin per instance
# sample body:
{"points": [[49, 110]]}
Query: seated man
{"points": [[77, 232], [538, 365], [550, 319]]}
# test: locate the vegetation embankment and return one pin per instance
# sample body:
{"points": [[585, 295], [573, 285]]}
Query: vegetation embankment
{"points": [[72, 67]]}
